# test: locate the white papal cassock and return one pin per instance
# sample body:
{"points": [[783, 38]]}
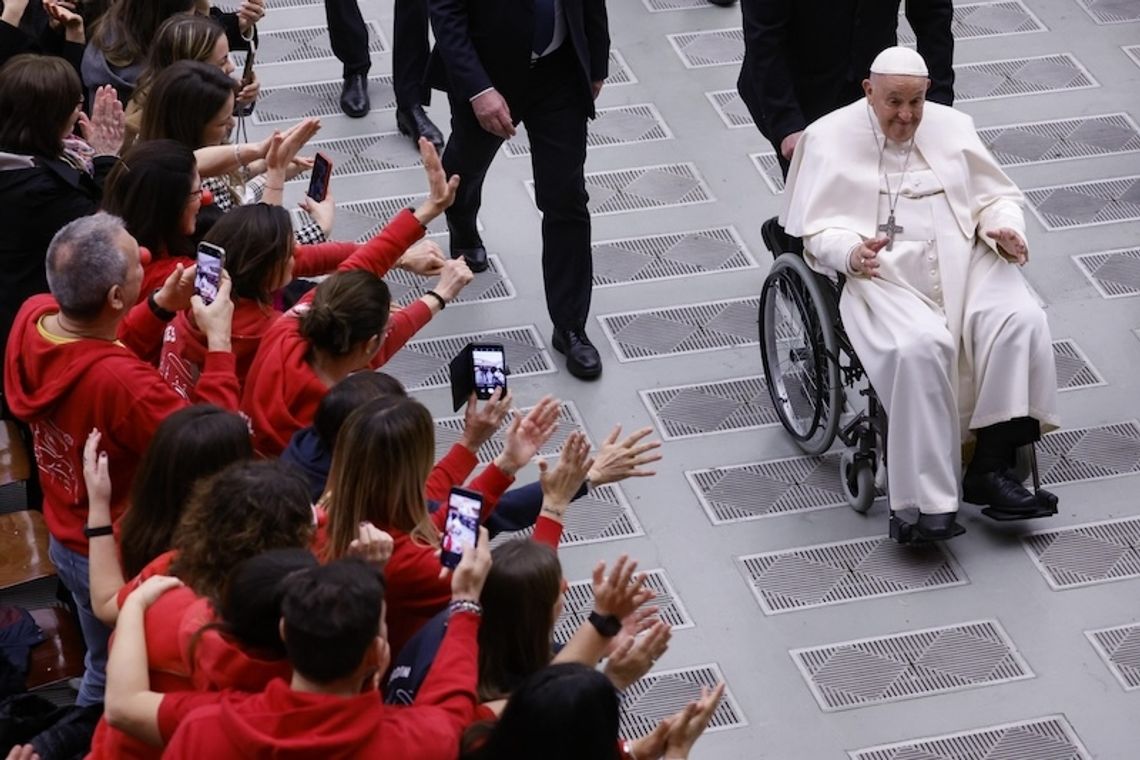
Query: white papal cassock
{"points": [[949, 334]]}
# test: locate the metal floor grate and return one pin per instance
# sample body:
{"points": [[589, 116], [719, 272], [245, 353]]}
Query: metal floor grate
{"points": [[1078, 454], [651, 333], [730, 108], [620, 72], [366, 154], [579, 601], [360, 220], [1020, 76], [1120, 649], [448, 431], [304, 45], [1085, 555], [659, 6], [423, 364], [974, 21], [671, 256], [1114, 274], [1110, 11], [687, 411], [1074, 370], [1133, 52], [488, 286], [912, 664], [718, 47], [1038, 142], [1050, 738], [769, 167], [762, 489], [602, 515], [1085, 204], [661, 694], [620, 125], [846, 571], [643, 187], [293, 102]]}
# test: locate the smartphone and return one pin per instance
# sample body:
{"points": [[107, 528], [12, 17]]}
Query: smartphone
{"points": [[319, 183], [247, 69], [489, 362], [211, 259], [464, 508]]}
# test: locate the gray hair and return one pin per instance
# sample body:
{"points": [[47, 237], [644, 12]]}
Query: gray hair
{"points": [[84, 261]]}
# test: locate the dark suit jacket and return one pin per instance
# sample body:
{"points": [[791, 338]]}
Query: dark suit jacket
{"points": [[487, 43], [805, 58]]}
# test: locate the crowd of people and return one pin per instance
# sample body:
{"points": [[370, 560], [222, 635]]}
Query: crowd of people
{"points": [[245, 513]]}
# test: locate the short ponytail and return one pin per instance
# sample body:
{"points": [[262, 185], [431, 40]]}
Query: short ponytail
{"points": [[347, 309]]}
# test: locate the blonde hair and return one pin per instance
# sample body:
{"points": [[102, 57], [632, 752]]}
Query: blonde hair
{"points": [[381, 462]]}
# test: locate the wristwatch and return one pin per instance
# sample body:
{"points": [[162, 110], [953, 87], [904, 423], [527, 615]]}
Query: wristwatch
{"points": [[102, 530], [606, 625]]}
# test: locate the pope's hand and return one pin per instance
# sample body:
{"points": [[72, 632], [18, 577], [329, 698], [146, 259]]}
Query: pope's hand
{"points": [[789, 143], [1010, 245], [864, 258]]}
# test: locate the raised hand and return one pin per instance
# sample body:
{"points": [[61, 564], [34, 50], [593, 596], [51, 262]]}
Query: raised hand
{"points": [[691, 722], [1010, 245], [249, 13], [471, 572], [323, 213], [424, 258], [177, 289], [620, 592], [97, 478], [441, 188], [635, 655], [216, 319], [526, 435], [620, 460], [372, 545], [282, 152], [105, 129], [560, 483], [481, 422], [453, 278]]}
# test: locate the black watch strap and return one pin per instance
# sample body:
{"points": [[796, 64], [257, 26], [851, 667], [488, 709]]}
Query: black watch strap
{"points": [[102, 530], [157, 310], [606, 625]]}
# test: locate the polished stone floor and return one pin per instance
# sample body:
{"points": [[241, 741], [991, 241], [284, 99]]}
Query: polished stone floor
{"points": [[1014, 641]]}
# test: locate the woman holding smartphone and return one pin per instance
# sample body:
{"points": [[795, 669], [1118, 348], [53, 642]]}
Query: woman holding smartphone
{"points": [[396, 436]]}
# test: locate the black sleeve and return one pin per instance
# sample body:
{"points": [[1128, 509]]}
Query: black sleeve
{"points": [[765, 72], [597, 39], [930, 20], [13, 41], [453, 41]]}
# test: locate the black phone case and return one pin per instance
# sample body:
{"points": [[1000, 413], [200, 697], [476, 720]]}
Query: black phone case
{"points": [[462, 369]]}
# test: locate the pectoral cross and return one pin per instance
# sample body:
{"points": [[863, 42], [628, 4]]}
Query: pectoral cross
{"points": [[891, 229]]}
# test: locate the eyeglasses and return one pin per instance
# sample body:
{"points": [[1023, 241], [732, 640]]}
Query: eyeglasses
{"points": [[196, 193]]}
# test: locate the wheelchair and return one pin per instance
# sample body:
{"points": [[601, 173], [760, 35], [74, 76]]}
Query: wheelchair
{"points": [[812, 372]]}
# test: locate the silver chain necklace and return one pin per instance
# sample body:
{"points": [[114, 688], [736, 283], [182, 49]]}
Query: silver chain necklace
{"points": [[889, 227]]}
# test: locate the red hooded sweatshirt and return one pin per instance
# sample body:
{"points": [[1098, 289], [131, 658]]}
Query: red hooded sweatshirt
{"points": [[65, 387], [184, 345], [281, 391], [282, 724]]}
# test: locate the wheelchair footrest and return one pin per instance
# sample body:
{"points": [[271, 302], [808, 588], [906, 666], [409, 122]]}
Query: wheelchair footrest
{"points": [[902, 528], [1043, 510]]}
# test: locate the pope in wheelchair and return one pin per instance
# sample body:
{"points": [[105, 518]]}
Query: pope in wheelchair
{"points": [[921, 306]]}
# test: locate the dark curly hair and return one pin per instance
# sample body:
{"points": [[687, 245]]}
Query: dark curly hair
{"points": [[246, 509]]}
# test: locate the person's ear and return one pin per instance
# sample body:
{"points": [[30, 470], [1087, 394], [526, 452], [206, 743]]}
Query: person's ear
{"points": [[927, 85], [383, 654], [116, 300], [374, 343], [281, 628], [867, 88]]}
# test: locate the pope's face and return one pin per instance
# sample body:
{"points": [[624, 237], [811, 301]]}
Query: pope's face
{"points": [[897, 102]]}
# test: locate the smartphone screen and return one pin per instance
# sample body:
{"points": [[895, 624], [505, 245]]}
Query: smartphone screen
{"points": [[211, 259], [319, 183], [490, 366], [464, 509]]}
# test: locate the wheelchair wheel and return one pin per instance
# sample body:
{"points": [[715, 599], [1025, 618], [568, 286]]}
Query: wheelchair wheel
{"points": [[857, 478], [799, 349]]}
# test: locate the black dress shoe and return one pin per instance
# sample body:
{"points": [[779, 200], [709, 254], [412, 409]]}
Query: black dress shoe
{"points": [[722, 3], [476, 257], [937, 527], [414, 123], [999, 490], [582, 358], [354, 96]]}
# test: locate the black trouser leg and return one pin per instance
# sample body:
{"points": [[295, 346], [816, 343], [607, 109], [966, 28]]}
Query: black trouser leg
{"points": [[555, 119], [997, 444], [410, 53], [348, 35], [469, 153]]}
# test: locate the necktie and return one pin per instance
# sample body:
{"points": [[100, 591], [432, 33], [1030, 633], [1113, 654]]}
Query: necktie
{"points": [[543, 25]]}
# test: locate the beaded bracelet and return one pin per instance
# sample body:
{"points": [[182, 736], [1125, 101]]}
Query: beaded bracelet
{"points": [[464, 605]]}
